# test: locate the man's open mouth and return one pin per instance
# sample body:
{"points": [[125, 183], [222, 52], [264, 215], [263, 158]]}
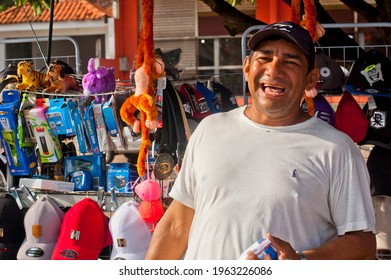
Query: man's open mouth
{"points": [[272, 89]]}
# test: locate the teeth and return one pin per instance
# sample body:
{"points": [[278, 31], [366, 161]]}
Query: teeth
{"points": [[267, 85]]}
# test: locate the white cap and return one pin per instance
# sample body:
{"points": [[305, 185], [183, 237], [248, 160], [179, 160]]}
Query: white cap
{"points": [[130, 233], [42, 224]]}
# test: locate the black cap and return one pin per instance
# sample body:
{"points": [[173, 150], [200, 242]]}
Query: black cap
{"points": [[12, 231], [370, 74], [289, 31]]}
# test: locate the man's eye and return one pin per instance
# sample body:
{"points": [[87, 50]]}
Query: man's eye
{"points": [[291, 62], [263, 59]]}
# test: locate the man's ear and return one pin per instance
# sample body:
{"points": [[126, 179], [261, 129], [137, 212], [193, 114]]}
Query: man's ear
{"points": [[246, 67], [312, 79]]}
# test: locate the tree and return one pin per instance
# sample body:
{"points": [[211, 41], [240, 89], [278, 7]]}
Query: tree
{"points": [[37, 5], [236, 22]]}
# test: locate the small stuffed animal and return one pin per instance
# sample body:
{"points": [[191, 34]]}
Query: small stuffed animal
{"points": [[315, 29], [149, 67], [31, 78], [100, 80], [60, 81], [151, 209]]}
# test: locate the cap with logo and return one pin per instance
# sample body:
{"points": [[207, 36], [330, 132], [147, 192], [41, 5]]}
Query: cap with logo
{"points": [[289, 31], [12, 231], [130, 233], [370, 74], [210, 96], [350, 119], [42, 224], [197, 101], [84, 232], [331, 77], [323, 109], [224, 96], [378, 113]]}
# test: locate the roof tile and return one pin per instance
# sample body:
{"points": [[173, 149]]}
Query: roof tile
{"points": [[64, 10]]}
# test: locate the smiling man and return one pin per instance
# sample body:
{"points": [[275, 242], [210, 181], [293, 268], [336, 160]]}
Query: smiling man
{"points": [[270, 170]]}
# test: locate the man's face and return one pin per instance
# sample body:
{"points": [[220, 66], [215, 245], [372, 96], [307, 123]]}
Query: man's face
{"points": [[277, 75]]}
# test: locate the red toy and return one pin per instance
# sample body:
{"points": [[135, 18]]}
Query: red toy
{"points": [[151, 209]]}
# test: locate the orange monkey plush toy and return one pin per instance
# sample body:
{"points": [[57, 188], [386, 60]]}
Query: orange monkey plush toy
{"points": [[149, 67], [309, 22]]}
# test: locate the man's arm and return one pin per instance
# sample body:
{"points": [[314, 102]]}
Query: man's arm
{"points": [[355, 245], [169, 240]]}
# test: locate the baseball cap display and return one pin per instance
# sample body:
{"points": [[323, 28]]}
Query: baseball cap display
{"points": [[12, 231], [289, 31], [378, 113], [42, 224], [211, 98], [323, 109], [226, 96], [199, 106], [370, 75], [378, 163], [131, 235], [84, 232], [350, 119], [331, 77]]}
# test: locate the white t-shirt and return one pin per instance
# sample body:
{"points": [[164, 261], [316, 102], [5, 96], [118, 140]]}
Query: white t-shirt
{"points": [[306, 183]]}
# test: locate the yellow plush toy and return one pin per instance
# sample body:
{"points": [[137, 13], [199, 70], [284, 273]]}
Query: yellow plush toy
{"points": [[31, 78]]}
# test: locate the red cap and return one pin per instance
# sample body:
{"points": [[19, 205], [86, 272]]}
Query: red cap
{"points": [[350, 118], [84, 232]]}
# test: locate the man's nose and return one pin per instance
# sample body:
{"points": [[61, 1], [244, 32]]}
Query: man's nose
{"points": [[274, 68]]}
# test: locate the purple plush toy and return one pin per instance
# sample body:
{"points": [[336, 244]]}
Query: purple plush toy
{"points": [[99, 80]]}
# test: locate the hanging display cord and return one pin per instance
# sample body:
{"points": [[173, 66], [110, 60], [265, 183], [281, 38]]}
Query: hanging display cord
{"points": [[36, 37]]}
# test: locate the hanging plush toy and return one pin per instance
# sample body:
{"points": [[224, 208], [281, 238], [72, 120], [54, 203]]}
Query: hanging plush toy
{"points": [[309, 22], [149, 67], [60, 81], [151, 208], [100, 80]]}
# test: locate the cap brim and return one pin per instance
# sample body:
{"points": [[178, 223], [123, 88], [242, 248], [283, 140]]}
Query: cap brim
{"points": [[75, 253], [261, 36], [115, 255], [45, 248]]}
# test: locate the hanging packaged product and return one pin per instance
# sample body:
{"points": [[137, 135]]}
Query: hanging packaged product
{"points": [[48, 144], [121, 177], [78, 127], [113, 127], [91, 130], [25, 131], [104, 141], [21, 161], [81, 178], [59, 118], [94, 165], [110, 118]]}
